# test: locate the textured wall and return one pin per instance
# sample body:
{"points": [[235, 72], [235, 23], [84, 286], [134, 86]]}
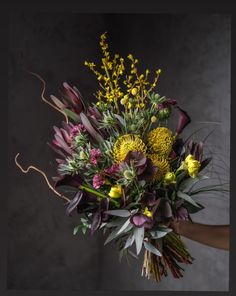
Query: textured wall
{"points": [[194, 53]]}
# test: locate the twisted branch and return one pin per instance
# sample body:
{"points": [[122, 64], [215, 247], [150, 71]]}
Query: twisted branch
{"points": [[44, 99], [43, 174]]}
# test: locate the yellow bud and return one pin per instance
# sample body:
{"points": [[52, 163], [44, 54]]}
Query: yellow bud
{"points": [[115, 191], [134, 91], [153, 119], [123, 101], [170, 178], [158, 71], [129, 105]]}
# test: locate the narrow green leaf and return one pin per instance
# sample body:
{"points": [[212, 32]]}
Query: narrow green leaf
{"points": [[186, 197], [188, 184], [84, 229], [76, 229], [158, 234], [151, 248]]}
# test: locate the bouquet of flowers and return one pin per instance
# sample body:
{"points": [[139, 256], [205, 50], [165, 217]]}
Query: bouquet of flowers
{"points": [[129, 173]]}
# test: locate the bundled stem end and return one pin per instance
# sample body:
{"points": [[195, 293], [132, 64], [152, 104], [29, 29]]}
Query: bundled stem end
{"points": [[173, 251]]}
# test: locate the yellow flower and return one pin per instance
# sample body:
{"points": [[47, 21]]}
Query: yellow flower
{"points": [[162, 165], [127, 143], [134, 91], [170, 178], [147, 213], [160, 140], [115, 191], [192, 165], [153, 119]]}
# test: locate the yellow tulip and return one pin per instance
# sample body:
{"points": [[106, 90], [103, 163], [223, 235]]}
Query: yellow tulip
{"points": [[115, 191]]}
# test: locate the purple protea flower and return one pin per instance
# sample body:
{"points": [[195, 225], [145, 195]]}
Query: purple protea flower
{"points": [[95, 154], [98, 181], [70, 99]]}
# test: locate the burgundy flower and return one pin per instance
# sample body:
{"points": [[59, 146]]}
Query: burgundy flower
{"points": [[143, 165], [184, 120]]}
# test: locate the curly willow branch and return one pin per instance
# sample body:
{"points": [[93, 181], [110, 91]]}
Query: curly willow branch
{"points": [[43, 174], [44, 99]]}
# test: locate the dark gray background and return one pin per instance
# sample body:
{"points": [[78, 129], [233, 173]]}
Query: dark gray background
{"points": [[194, 53]]}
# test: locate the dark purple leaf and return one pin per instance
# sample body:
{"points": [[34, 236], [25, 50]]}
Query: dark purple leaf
{"points": [[57, 150], [178, 147], [205, 162], [199, 151], [66, 136], [90, 129], [57, 102], [104, 206], [74, 202], [73, 181], [96, 221], [166, 210], [61, 143]]}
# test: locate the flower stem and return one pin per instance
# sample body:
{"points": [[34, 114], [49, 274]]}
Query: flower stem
{"points": [[97, 193]]}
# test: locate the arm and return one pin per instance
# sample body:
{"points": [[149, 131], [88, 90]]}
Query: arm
{"points": [[216, 236]]}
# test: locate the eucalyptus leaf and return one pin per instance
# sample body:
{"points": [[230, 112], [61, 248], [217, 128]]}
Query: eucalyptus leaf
{"points": [[139, 236], [129, 241], [111, 236], [132, 254], [119, 213], [158, 234], [187, 197], [115, 222], [124, 226], [149, 247]]}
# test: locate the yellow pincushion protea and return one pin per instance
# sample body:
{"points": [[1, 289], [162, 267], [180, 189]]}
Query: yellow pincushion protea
{"points": [[160, 140], [162, 165], [125, 144]]}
